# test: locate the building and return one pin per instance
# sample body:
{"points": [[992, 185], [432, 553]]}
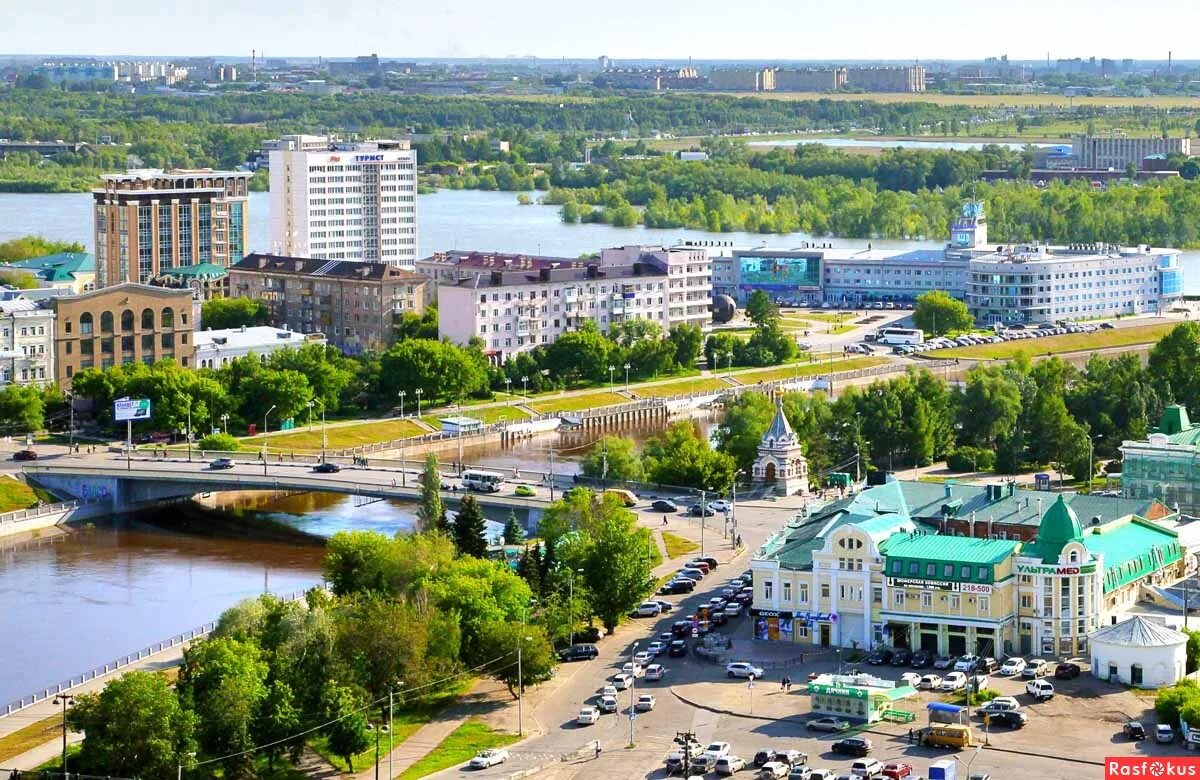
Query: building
{"points": [[1119, 151], [1040, 284], [1166, 466], [809, 79], [290, 143], [77, 72], [859, 698], [742, 79], [73, 271], [26, 343], [780, 460], [1140, 653], [903, 78], [354, 201], [352, 303], [216, 348], [206, 281], [688, 269], [122, 324], [149, 221]]}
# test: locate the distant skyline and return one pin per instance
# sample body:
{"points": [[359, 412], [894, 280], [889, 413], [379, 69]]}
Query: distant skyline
{"points": [[620, 29]]}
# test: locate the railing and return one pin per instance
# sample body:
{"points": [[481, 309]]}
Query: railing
{"points": [[120, 663], [40, 511]]}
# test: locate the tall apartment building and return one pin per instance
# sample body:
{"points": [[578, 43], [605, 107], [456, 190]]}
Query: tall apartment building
{"points": [[26, 343], [351, 201], [742, 79], [1116, 151], [810, 79], [904, 78], [150, 221], [291, 143], [352, 303], [688, 268]]}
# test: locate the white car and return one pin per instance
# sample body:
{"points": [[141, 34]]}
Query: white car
{"points": [[655, 672], [634, 669], [587, 716], [608, 704], [622, 681], [657, 647], [1040, 690], [642, 658], [743, 669], [1000, 704], [644, 703], [648, 609], [1013, 666], [487, 758], [727, 765], [609, 690], [733, 609], [931, 682], [717, 749], [953, 681], [965, 663], [720, 505], [910, 678], [978, 682]]}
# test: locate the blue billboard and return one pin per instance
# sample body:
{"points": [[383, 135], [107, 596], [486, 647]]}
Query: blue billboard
{"points": [[779, 274]]}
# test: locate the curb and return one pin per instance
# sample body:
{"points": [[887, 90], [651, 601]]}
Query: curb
{"points": [[767, 719]]}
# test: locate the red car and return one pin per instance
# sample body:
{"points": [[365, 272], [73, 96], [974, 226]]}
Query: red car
{"points": [[895, 770]]}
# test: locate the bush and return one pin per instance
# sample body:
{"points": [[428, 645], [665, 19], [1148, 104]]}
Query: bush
{"points": [[219, 441], [1170, 702], [971, 459]]}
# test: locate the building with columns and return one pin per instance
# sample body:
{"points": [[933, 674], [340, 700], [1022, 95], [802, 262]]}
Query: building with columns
{"points": [[780, 460]]}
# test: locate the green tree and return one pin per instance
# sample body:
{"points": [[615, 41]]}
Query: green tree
{"points": [[720, 349], [613, 458], [760, 309], [688, 341], [613, 554], [682, 456], [469, 528], [580, 355], [441, 370], [219, 442], [937, 312], [747, 417], [22, 408], [989, 406], [30, 247], [149, 745], [499, 640], [224, 681], [360, 562], [1175, 363], [478, 591], [348, 733], [277, 722], [431, 512], [411, 325], [513, 533], [221, 313]]}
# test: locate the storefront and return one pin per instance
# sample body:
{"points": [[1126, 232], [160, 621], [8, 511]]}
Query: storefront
{"points": [[856, 697], [773, 625]]}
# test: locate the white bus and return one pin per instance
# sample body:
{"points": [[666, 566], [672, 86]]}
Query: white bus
{"points": [[897, 336], [483, 481]]}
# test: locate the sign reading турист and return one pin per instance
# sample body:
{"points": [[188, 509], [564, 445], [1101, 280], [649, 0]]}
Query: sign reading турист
{"points": [[131, 409]]}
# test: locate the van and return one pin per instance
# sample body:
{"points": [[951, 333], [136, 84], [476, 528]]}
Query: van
{"points": [[627, 497], [1041, 690], [947, 735], [866, 767]]}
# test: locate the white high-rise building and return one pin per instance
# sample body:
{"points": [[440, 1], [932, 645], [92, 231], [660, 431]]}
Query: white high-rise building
{"points": [[352, 201]]}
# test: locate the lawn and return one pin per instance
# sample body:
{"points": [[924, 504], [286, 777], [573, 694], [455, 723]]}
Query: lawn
{"points": [[677, 545], [458, 748], [818, 368], [339, 437], [1070, 342], [576, 403], [29, 737], [682, 387], [489, 415], [15, 494]]}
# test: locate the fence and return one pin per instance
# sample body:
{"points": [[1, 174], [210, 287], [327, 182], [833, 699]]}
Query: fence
{"points": [[40, 511], [120, 663]]}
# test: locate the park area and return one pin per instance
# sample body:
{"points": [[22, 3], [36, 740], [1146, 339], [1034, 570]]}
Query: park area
{"points": [[1071, 342]]}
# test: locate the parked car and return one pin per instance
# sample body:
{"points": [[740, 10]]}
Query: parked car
{"points": [[853, 746], [901, 657], [645, 702], [702, 764], [977, 682], [1066, 671], [587, 716], [1034, 668], [965, 663], [677, 649], [743, 669], [608, 704], [664, 505], [1000, 704], [327, 468], [987, 665], [792, 757], [488, 758], [828, 724], [578, 653], [219, 463], [879, 656], [942, 662], [655, 672], [727, 765], [647, 609], [1013, 666], [1164, 734], [675, 762], [1040, 690], [931, 682], [763, 757], [910, 678], [920, 660], [720, 505], [896, 770], [1013, 719], [953, 681], [700, 509], [717, 749], [773, 770], [622, 680], [1134, 731]]}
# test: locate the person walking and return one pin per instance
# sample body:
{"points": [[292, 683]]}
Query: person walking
{"points": [[664, 519], [597, 750]]}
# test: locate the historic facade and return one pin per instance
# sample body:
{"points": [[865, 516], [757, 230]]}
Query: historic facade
{"points": [[780, 460]]}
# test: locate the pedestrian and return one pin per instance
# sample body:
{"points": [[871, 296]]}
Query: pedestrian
{"points": [[664, 519], [597, 750], [910, 736]]}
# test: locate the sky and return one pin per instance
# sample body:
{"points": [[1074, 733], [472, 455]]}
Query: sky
{"points": [[631, 29]]}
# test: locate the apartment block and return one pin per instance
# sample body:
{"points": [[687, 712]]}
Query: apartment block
{"points": [[809, 79], [150, 221], [904, 78], [1118, 151], [26, 342]]}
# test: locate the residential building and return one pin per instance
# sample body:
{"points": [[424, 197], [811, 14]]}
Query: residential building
{"points": [[453, 266], [809, 79], [742, 79], [291, 143], [1166, 466], [352, 303], [1119, 151], [72, 271], [903, 78], [122, 324], [351, 201], [689, 271], [1040, 284], [26, 343], [216, 348], [149, 221]]}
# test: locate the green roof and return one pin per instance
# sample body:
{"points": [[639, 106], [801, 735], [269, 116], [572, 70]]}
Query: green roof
{"points": [[949, 549], [198, 271], [60, 267], [897, 693], [1132, 548], [1174, 420], [1059, 525]]}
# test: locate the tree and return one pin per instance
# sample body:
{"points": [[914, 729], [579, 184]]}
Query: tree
{"points": [[580, 354], [441, 370], [720, 349], [22, 408], [682, 456], [613, 458], [277, 722], [30, 247], [221, 313], [348, 733], [613, 553], [529, 568], [988, 407], [469, 528], [360, 562], [747, 417], [411, 325], [219, 442], [688, 341], [1175, 362], [760, 309], [224, 681], [149, 745], [513, 533], [937, 312], [431, 512], [499, 640]]}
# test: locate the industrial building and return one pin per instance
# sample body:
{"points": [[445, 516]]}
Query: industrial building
{"points": [[1119, 151]]}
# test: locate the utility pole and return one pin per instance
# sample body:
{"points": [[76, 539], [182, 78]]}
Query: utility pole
{"points": [[686, 738], [703, 512], [71, 401], [266, 414], [189, 428], [552, 473], [66, 701], [632, 688]]}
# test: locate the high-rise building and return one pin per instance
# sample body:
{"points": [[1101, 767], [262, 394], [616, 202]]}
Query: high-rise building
{"points": [[352, 201], [1118, 151], [150, 221]]}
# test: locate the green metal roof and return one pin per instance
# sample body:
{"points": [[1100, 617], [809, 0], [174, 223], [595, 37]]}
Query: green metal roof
{"points": [[897, 693], [1174, 420], [1132, 548], [1059, 526], [949, 549], [200, 270], [60, 267]]}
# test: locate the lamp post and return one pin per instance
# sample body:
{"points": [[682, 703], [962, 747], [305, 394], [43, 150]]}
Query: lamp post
{"points": [[377, 728], [402, 393], [189, 428], [391, 695], [71, 431], [571, 603], [266, 436], [611, 369], [750, 687], [310, 404], [525, 388], [733, 506], [1091, 459], [322, 403], [507, 391], [179, 773], [627, 377], [224, 423], [632, 687], [419, 392], [458, 407], [65, 700], [520, 686]]}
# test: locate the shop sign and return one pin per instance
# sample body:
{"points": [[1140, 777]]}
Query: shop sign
{"points": [[818, 617], [907, 582], [1056, 571], [769, 613], [833, 690], [975, 588]]}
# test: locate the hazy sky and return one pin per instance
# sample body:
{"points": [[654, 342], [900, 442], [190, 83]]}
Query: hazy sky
{"points": [[704, 29]]}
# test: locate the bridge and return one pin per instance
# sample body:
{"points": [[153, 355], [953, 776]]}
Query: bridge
{"points": [[144, 481]]}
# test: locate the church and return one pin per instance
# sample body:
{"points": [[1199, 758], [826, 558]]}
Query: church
{"points": [[780, 461]]}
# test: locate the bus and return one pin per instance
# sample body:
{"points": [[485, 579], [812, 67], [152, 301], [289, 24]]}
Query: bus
{"points": [[483, 481], [897, 336]]}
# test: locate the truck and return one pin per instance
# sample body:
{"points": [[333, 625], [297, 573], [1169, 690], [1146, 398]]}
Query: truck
{"points": [[943, 770]]}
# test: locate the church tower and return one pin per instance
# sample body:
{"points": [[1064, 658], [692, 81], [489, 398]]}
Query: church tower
{"points": [[780, 460]]}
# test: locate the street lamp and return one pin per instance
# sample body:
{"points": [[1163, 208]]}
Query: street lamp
{"points": [[627, 377], [525, 387], [189, 428], [225, 423], [611, 369], [179, 773], [731, 521], [507, 391], [266, 436], [571, 603], [71, 431], [66, 700], [632, 686], [391, 695], [310, 405], [521, 687], [377, 728], [322, 403], [419, 393], [402, 393]]}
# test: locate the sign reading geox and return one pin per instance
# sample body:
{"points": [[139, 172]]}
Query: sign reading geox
{"points": [[131, 409]]}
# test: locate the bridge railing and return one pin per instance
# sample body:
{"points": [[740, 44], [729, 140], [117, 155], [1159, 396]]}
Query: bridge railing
{"points": [[41, 510], [118, 664]]}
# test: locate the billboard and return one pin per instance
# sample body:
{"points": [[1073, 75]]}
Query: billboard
{"points": [[778, 274], [131, 409]]}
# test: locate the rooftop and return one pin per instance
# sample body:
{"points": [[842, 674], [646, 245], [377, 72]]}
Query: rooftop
{"points": [[950, 549], [198, 271], [1020, 254], [251, 337], [309, 266], [1138, 631], [1132, 548], [498, 261], [151, 174], [501, 278]]}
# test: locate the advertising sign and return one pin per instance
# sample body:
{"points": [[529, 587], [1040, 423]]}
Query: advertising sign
{"points": [[131, 409], [779, 274], [833, 690], [908, 582], [1056, 571]]}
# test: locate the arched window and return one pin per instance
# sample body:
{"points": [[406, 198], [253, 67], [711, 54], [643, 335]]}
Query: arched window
{"points": [[168, 317], [106, 322], [85, 324], [127, 321], [147, 319], [1074, 556]]}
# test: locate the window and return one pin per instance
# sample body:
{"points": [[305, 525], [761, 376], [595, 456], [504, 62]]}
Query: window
{"points": [[931, 570], [876, 595], [168, 318], [955, 601], [983, 573], [825, 590], [802, 595], [898, 599], [964, 572], [787, 591], [985, 604], [147, 319], [948, 570], [127, 321], [1074, 556], [926, 600], [914, 567], [767, 590], [106, 322], [168, 341], [897, 567]]}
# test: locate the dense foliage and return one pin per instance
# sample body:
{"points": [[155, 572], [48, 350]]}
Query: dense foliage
{"points": [[28, 247]]}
